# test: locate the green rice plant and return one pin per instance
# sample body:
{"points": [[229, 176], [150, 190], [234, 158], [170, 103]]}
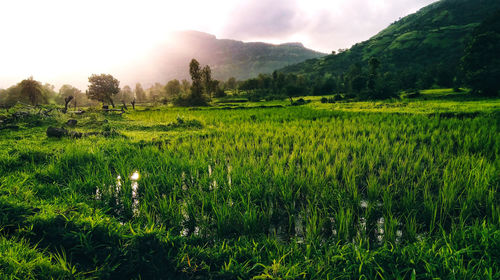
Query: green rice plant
{"points": [[322, 191]]}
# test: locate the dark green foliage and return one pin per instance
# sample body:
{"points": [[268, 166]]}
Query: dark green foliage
{"points": [[275, 86], [102, 88], [358, 83], [173, 88], [32, 90], [209, 85], [228, 194], [421, 50], [481, 61], [196, 97]]}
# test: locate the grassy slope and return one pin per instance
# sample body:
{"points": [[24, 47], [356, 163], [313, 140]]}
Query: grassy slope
{"points": [[434, 35], [270, 192]]}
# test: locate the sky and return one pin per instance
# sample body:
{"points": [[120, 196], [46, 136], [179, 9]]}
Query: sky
{"points": [[64, 41]]}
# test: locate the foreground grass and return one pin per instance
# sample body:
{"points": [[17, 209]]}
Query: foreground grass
{"points": [[397, 189]]}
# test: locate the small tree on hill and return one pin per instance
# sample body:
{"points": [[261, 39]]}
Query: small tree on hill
{"points": [[102, 88]]}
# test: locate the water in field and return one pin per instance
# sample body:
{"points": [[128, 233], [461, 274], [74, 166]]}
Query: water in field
{"points": [[116, 193], [135, 192]]}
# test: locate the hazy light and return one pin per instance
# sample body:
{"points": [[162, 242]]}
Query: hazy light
{"points": [[61, 41]]}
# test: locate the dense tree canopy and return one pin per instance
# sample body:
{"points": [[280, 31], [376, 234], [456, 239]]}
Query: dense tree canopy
{"points": [[79, 99], [173, 88], [125, 95], [140, 94], [102, 88], [481, 62], [32, 90]]}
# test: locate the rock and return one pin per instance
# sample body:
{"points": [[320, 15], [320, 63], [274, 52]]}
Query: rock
{"points": [[71, 122], [56, 132]]}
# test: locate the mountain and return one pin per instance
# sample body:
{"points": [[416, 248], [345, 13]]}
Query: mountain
{"points": [[226, 58], [434, 37]]}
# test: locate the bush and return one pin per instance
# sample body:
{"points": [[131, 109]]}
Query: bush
{"points": [[187, 101], [324, 100], [413, 94], [272, 97], [254, 98], [220, 93], [349, 96]]}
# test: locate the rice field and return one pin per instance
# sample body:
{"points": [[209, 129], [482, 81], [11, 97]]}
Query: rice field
{"points": [[401, 189]]}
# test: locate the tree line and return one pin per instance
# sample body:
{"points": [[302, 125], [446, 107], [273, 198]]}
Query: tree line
{"points": [[478, 69], [105, 89]]}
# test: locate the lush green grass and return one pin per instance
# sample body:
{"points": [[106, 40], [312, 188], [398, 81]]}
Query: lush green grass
{"points": [[394, 189]]}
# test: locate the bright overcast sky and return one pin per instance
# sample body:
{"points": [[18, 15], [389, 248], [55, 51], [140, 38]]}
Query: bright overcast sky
{"points": [[64, 41]]}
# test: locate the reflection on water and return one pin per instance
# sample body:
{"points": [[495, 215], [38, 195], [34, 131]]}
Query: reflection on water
{"points": [[293, 227], [135, 193], [115, 193], [135, 176], [364, 204]]}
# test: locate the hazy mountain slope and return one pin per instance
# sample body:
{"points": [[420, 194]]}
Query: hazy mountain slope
{"points": [[434, 35], [227, 58]]}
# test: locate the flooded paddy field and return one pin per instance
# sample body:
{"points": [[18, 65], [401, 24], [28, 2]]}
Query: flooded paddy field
{"points": [[320, 191]]}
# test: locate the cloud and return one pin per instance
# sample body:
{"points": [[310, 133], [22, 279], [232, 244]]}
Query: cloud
{"points": [[62, 41], [319, 24], [263, 19]]}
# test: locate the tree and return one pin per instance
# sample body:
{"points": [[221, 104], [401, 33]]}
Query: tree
{"points": [[68, 90], [194, 71], [49, 95], [206, 76], [196, 96], [374, 65], [173, 88], [140, 94], [481, 62], [102, 88], [125, 95], [219, 89], [358, 83], [185, 87], [32, 90], [11, 95], [156, 92], [231, 83]]}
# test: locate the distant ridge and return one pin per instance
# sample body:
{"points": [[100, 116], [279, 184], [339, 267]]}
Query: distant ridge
{"points": [[435, 35], [227, 58]]}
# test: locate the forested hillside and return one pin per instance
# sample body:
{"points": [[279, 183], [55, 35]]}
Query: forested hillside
{"points": [[422, 49]]}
